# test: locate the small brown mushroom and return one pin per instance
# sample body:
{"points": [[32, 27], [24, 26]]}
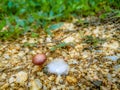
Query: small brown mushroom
{"points": [[39, 59]]}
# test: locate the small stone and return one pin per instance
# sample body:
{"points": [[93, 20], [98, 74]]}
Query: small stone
{"points": [[12, 85], [3, 76], [109, 77], [2, 83], [71, 88], [68, 27], [21, 89], [69, 39], [21, 53], [21, 77], [36, 84], [48, 39], [117, 67], [36, 68], [11, 79], [17, 68], [45, 87], [40, 73], [113, 45], [118, 61], [58, 79], [53, 88], [85, 54], [71, 79], [6, 56], [103, 88], [97, 83], [4, 86], [113, 58], [51, 78], [73, 61], [98, 51]]}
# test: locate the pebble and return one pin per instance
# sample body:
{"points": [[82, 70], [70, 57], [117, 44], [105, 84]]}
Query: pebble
{"points": [[113, 58], [11, 79], [103, 88], [36, 84], [109, 77], [113, 45], [117, 67], [73, 61], [4, 86], [17, 68], [21, 77], [97, 83], [48, 39], [53, 88], [71, 79], [68, 26], [45, 87], [21, 89], [69, 39], [36, 68], [51, 78], [58, 79], [85, 54], [6, 56], [3, 76]]}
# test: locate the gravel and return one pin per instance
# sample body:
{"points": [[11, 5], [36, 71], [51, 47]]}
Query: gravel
{"points": [[90, 67]]}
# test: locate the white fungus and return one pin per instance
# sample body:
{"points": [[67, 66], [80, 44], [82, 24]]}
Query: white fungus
{"points": [[58, 66]]}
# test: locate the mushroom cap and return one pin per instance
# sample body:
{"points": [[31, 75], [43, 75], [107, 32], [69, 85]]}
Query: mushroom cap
{"points": [[39, 59]]}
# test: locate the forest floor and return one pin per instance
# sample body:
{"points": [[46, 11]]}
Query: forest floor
{"points": [[93, 55]]}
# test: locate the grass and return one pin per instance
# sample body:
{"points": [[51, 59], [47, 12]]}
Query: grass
{"points": [[18, 17], [93, 41]]}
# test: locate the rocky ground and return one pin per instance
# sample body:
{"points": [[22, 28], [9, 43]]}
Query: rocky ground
{"points": [[92, 53]]}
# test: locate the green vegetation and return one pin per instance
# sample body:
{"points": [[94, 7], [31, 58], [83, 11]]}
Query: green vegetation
{"points": [[53, 27], [20, 16], [93, 41], [30, 45], [60, 45]]}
